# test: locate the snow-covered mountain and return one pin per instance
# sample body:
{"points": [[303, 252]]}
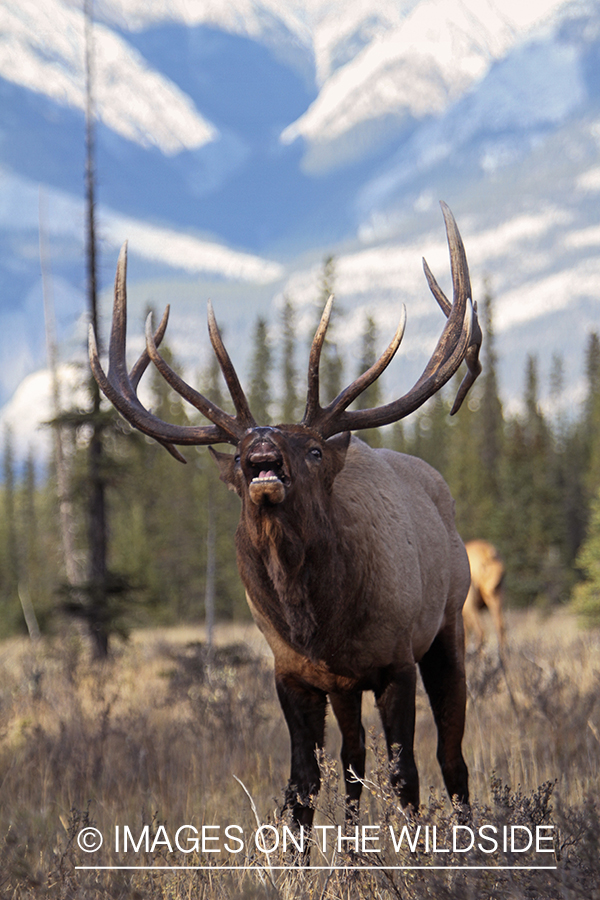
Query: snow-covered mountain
{"points": [[240, 141]]}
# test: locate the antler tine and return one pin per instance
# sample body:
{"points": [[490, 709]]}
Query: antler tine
{"points": [[455, 312], [126, 406], [205, 406], [313, 407], [244, 416], [472, 361], [461, 284], [120, 387], [460, 339], [354, 390], [357, 420], [436, 290], [144, 361]]}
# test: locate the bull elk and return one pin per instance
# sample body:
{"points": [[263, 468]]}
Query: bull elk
{"points": [[351, 562], [487, 576]]}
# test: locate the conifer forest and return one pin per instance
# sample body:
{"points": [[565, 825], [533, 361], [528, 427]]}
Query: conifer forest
{"points": [[529, 482]]}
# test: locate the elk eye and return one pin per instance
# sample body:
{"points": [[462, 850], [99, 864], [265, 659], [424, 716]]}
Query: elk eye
{"points": [[316, 453], [237, 457]]}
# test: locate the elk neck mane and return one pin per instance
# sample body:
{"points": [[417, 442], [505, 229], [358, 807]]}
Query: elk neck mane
{"points": [[298, 563], [305, 554]]}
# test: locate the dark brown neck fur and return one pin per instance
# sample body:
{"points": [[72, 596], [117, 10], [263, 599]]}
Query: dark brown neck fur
{"points": [[292, 552]]}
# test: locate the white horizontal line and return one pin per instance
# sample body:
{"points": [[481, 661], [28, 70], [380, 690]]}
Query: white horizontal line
{"points": [[260, 868]]}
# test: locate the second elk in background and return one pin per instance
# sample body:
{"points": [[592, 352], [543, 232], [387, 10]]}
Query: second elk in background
{"points": [[487, 576]]}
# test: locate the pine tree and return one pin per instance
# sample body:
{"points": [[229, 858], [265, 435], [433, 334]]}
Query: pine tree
{"points": [[591, 418], [533, 525], [431, 436], [290, 403], [222, 513], [586, 595], [259, 396], [491, 418], [10, 576], [581, 454], [372, 396], [460, 446], [332, 367]]}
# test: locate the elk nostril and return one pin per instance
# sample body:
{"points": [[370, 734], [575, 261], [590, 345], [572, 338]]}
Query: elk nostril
{"points": [[264, 451]]}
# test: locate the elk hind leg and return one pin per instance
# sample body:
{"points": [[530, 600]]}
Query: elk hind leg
{"points": [[443, 673], [347, 709], [304, 710]]}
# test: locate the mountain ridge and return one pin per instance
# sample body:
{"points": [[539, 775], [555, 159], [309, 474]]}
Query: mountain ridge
{"points": [[214, 168]]}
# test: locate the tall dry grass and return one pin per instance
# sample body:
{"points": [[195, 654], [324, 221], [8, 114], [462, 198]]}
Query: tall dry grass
{"points": [[155, 737]]}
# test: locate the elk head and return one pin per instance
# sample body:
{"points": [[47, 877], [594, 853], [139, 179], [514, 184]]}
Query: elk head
{"points": [[272, 460], [267, 459]]}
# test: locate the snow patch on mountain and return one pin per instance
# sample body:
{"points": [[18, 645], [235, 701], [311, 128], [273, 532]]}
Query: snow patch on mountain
{"points": [[419, 69], [378, 279], [522, 97], [42, 49], [313, 36]]}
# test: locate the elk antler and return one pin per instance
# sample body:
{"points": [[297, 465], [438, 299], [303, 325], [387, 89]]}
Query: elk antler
{"points": [[460, 340], [121, 387]]}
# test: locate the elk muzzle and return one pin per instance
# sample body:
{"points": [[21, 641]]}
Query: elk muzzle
{"points": [[266, 472]]}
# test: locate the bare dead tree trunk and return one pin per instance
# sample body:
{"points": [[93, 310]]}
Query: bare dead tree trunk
{"points": [[98, 601], [65, 507], [13, 562], [29, 614]]}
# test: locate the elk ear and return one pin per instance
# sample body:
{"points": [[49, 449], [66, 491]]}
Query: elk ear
{"points": [[339, 445], [226, 465]]}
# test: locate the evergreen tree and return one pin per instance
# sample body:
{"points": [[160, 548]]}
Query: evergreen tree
{"points": [[290, 411], [371, 397], [12, 618], [568, 469], [222, 514], [465, 470], [30, 527], [591, 420], [581, 454], [331, 368], [533, 528], [259, 396], [491, 418], [172, 517], [431, 435], [586, 595]]}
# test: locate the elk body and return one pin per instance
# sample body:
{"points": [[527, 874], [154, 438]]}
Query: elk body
{"points": [[351, 562], [487, 575]]}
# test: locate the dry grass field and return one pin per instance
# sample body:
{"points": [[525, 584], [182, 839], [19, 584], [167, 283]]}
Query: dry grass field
{"points": [[161, 737]]}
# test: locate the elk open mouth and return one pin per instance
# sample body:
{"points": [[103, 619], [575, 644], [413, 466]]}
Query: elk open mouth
{"points": [[266, 472]]}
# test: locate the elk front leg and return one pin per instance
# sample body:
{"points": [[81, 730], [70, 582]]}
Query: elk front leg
{"points": [[443, 673], [396, 704], [304, 710], [347, 709]]}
